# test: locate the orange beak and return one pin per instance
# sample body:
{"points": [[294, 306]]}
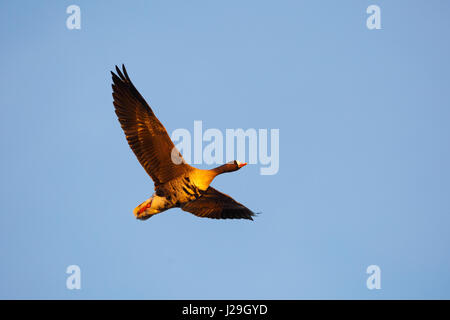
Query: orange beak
{"points": [[242, 164]]}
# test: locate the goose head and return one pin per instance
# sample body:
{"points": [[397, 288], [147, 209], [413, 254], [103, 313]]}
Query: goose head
{"points": [[239, 164], [229, 167]]}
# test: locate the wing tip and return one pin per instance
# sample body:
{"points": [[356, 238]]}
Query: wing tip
{"points": [[121, 74], [253, 215]]}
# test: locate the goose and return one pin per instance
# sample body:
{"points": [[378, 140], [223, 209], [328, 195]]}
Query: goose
{"points": [[177, 184]]}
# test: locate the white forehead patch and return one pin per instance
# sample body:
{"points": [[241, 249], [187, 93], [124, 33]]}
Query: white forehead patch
{"points": [[238, 163]]}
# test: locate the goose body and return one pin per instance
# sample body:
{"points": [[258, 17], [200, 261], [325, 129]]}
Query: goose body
{"points": [[177, 184]]}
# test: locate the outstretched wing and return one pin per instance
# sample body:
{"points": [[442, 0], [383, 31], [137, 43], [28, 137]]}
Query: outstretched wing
{"points": [[217, 205], [145, 134]]}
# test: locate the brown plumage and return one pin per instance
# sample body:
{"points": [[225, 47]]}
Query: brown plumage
{"points": [[177, 184]]}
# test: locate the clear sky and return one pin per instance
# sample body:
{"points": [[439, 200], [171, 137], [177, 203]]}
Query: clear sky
{"points": [[364, 174]]}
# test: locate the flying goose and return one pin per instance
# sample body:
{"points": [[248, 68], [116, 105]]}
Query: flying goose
{"points": [[177, 184]]}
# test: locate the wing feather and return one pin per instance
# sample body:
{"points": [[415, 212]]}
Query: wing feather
{"points": [[217, 205], [145, 134]]}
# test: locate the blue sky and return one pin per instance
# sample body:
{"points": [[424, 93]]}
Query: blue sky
{"points": [[364, 149]]}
